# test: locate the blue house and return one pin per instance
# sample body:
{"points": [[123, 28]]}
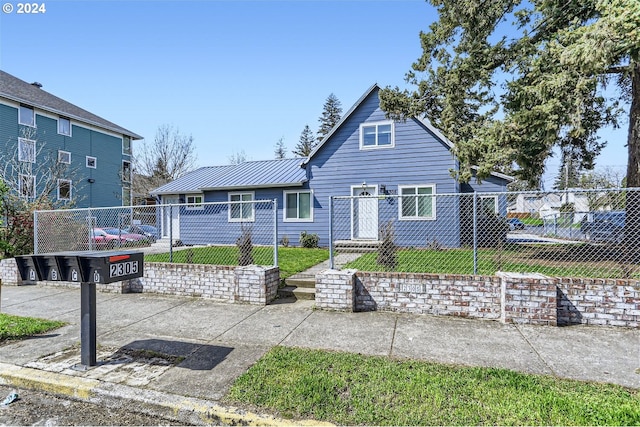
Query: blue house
{"points": [[392, 168], [49, 145]]}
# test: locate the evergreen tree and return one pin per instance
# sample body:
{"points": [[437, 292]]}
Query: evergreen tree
{"points": [[331, 114], [281, 150], [569, 172], [306, 144]]}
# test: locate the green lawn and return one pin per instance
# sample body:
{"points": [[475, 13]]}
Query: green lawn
{"points": [[290, 260], [351, 389], [17, 327]]}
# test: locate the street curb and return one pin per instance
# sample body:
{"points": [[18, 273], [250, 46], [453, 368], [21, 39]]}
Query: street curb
{"points": [[151, 402]]}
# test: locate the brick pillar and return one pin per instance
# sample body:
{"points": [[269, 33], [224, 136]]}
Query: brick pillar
{"points": [[529, 298], [257, 284], [335, 290], [9, 272]]}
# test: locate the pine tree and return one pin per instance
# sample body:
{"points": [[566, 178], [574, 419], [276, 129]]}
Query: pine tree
{"points": [[569, 172], [281, 150], [331, 114], [306, 144]]}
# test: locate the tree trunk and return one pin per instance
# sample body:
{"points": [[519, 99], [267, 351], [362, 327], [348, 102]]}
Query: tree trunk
{"points": [[632, 221]]}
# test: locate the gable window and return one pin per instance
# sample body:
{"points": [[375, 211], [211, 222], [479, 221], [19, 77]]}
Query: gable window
{"points": [[27, 186], [240, 207], [298, 206], [376, 135], [194, 201], [92, 162], [126, 145], [126, 171], [64, 157], [489, 204], [64, 189], [417, 202], [64, 126], [26, 116], [26, 150]]}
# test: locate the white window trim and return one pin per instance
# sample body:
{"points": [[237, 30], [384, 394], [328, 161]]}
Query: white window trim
{"points": [[95, 162], [27, 141], [376, 124], [495, 201], [62, 133], [284, 210], [252, 218], [433, 216], [127, 153], [126, 177], [70, 189], [127, 200], [20, 116], [62, 153], [33, 186], [193, 205]]}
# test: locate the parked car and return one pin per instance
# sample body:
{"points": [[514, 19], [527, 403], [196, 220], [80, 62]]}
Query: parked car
{"points": [[148, 231], [100, 239], [604, 226], [515, 224], [131, 239]]}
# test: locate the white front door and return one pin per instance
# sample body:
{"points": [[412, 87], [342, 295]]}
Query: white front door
{"points": [[364, 212], [170, 217]]}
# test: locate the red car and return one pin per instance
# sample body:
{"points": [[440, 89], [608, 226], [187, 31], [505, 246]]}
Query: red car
{"points": [[100, 239]]}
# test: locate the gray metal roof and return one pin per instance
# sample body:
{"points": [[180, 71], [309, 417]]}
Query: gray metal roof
{"points": [[20, 91], [253, 174]]}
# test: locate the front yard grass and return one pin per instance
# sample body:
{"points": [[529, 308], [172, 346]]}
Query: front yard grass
{"points": [[18, 327], [352, 389], [290, 260]]}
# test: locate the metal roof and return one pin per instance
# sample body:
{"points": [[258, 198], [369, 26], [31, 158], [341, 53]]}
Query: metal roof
{"points": [[253, 174], [26, 93]]}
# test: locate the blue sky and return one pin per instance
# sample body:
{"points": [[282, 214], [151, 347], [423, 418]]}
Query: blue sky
{"points": [[236, 75]]}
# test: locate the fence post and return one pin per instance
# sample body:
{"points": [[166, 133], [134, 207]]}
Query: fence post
{"points": [[475, 233], [90, 228], [275, 232], [170, 233], [35, 232], [331, 232]]}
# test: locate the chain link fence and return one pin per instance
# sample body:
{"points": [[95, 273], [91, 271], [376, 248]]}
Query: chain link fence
{"points": [[575, 233], [223, 233]]}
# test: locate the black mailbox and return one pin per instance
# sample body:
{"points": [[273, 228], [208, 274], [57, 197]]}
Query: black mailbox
{"points": [[48, 267], [27, 268], [108, 267], [70, 267]]}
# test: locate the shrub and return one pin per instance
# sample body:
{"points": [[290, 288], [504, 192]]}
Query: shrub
{"points": [[245, 245], [387, 252], [309, 240], [285, 241]]}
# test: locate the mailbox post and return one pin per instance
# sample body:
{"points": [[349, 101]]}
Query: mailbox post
{"points": [[88, 268]]}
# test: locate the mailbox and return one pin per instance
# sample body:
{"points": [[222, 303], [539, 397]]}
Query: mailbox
{"points": [[112, 266], [70, 267], [48, 266], [27, 268]]}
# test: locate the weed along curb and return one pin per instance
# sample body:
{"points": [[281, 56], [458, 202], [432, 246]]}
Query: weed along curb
{"points": [[170, 406]]}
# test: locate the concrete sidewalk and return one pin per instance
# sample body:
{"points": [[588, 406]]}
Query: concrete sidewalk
{"points": [[178, 356]]}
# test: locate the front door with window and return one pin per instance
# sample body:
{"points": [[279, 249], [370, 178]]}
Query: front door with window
{"points": [[364, 212], [171, 218]]}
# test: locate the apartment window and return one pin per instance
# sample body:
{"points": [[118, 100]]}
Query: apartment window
{"points": [[489, 204], [64, 126], [194, 201], [376, 135], [126, 171], [417, 202], [92, 162], [240, 207], [126, 196], [26, 116], [126, 145], [26, 150], [27, 186], [64, 189], [298, 206], [64, 157]]}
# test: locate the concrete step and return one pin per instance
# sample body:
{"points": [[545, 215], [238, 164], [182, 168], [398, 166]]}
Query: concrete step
{"points": [[301, 281], [356, 246], [298, 293]]}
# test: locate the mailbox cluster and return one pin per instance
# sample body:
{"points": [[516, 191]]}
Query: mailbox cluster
{"points": [[82, 267]]}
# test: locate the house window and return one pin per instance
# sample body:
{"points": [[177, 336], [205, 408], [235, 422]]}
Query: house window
{"points": [[26, 116], [64, 189], [64, 126], [194, 201], [27, 186], [26, 150], [126, 196], [126, 171], [298, 206], [417, 202], [240, 207], [376, 135], [92, 162], [126, 145], [64, 157], [489, 204]]}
